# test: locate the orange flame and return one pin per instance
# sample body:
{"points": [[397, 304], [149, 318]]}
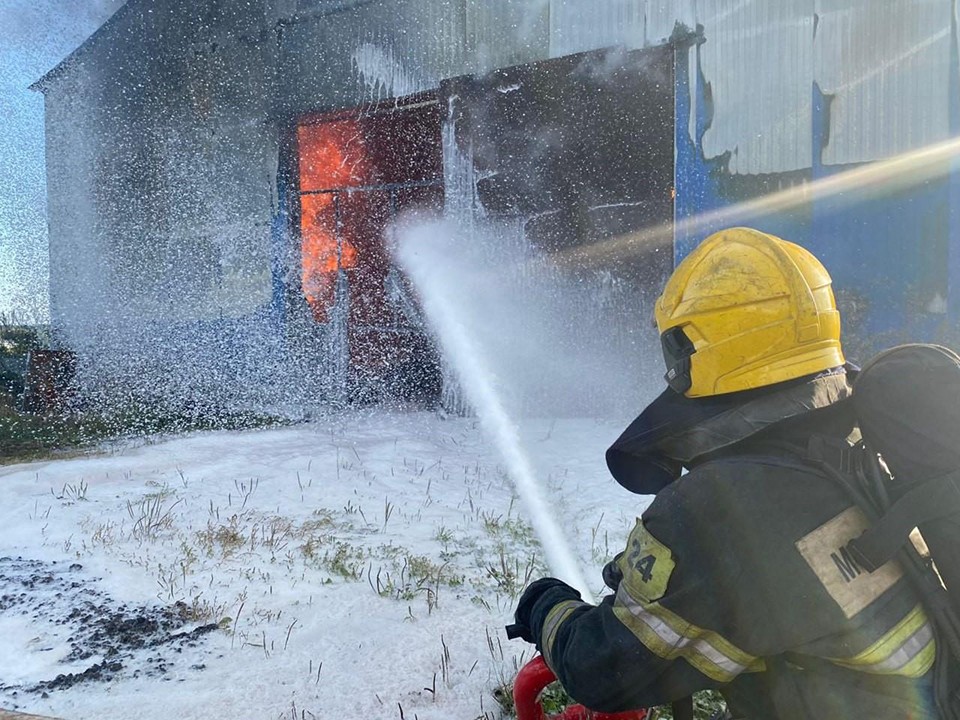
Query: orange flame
{"points": [[331, 156]]}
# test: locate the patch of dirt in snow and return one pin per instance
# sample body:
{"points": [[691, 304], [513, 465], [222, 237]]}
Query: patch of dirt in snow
{"points": [[87, 628]]}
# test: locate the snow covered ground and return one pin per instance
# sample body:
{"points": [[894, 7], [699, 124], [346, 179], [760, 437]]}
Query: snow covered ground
{"points": [[358, 567]]}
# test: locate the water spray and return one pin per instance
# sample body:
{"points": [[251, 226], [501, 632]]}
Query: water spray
{"points": [[420, 256]]}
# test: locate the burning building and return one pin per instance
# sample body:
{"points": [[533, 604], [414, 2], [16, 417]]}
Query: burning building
{"points": [[221, 173]]}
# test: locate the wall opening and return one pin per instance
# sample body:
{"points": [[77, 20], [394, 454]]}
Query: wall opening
{"points": [[551, 157], [578, 148], [357, 171]]}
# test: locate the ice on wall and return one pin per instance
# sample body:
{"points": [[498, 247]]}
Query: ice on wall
{"points": [[383, 75]]}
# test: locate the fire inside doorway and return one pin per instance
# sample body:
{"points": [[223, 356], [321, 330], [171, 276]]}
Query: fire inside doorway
{"points": [[568, 152], [357, 171]]}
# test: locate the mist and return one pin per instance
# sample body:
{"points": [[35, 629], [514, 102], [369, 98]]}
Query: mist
{"points": [[34, 37], [554, 342]]}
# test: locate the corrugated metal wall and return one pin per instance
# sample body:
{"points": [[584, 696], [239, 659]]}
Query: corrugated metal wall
{"points": [[758, 58], [887, 67], [580, 25], [390, 49]]}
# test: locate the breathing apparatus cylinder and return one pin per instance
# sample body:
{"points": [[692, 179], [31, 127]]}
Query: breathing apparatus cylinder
{"points": [[907, 401]]}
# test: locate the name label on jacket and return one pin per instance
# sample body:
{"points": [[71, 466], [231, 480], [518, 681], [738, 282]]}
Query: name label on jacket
{"points": [[850, 585]]}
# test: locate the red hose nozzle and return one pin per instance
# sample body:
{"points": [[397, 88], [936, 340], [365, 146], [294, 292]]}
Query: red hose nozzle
{"points": [[533, 678]]}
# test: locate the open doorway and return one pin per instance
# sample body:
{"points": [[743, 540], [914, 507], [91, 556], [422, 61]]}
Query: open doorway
{"points": [[565, 159], [357, 171], [579, 148]]}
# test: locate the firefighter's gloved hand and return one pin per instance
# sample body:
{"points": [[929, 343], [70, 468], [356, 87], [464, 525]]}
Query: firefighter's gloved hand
{"points": [[612, 574], [535, 603]]}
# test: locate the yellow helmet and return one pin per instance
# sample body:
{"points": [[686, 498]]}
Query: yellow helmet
{"points": [[746, 309]]}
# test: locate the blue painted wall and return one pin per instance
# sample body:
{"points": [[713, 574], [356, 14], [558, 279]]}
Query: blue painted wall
{"points": [[891, 255]]}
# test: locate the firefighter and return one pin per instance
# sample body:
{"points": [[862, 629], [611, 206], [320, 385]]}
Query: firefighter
{"points": [[737, 576]]}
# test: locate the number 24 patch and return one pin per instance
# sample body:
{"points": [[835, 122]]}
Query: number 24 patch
{"points": [[646, 565]]}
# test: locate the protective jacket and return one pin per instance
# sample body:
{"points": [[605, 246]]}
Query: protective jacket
{"points": [[736, 577]]}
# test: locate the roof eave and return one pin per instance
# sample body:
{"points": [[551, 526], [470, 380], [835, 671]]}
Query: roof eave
{"points": [[70, 60]]}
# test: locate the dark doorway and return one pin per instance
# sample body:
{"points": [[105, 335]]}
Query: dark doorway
{"points": [[357, 171], [579, 147]]}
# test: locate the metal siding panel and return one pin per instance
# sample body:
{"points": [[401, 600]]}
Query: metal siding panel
{"points": [[79, 291], [757, 57], [662, 18], [581, 25], [887, 66], [391, 49], [953, 182], [398, 49], [884, 71], [502, 33], [376, 51]]}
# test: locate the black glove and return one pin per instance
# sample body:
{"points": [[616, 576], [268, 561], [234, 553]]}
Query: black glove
{"points": [[612, 574], [531, 612]]}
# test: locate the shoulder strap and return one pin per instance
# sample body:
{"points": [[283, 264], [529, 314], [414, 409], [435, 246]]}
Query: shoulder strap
{"points": [[887, 537], [931, 500], [835, 458]]}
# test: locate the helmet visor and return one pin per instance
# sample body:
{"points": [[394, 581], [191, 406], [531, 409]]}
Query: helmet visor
{"points": [[677, 349]]}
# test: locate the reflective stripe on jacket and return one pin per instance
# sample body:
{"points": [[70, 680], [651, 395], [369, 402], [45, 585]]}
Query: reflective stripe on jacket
{"points": [[736, 578]]}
